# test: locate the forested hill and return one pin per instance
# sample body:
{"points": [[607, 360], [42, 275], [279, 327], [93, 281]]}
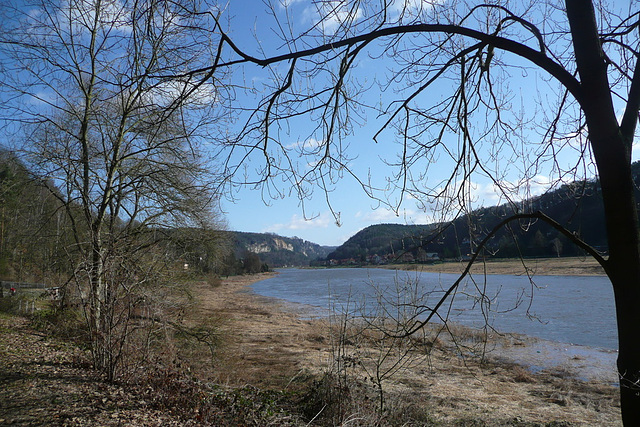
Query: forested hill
{"points": [[577, 206], [32, 220], [383, 240], [36, 236]]}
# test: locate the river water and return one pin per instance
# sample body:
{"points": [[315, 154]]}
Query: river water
{"points": [[573, 317]]}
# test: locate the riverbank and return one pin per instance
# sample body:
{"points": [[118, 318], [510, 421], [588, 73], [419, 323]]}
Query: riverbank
{"points": [[569, 266], [270, 345], [269, 358]]}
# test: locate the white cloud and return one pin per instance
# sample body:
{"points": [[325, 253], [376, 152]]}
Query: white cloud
{"points": [[168, 92], [298, 222], [405, 215], [407, 6], [480, 194], [408, 10], [486, 193], [328, 16], [309, 144], [81, 14], [283, 4], [539, 184], [635, 152], [377, 216], [491, 194], [43, 97]]}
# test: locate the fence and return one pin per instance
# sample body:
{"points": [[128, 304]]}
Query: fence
{"points": [[26, 307], [21, 285], [24, 299]]}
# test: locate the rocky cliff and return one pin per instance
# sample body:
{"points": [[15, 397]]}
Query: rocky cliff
{"points": [[279, 251]]}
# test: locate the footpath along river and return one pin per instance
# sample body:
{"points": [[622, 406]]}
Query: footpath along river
{"points": [[571, 317]]}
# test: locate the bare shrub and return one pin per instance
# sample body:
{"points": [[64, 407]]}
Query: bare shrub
{"points": [[521, 374]]}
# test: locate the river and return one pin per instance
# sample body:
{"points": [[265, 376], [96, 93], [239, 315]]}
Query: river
{"points": [[571, 314]]}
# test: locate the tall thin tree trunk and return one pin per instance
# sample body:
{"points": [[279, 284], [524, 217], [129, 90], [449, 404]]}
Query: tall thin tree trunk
{"points": [[612, 153], [627, 296], [623, 269], [98, 303]]}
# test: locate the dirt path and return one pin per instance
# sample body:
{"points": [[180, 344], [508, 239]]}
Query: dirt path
{"points": [[259, 334], [44, 382]]}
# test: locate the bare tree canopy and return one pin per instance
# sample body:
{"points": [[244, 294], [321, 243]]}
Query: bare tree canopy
{"points": [[385, 81], [503, 91], [120, 95], [117, 143]]}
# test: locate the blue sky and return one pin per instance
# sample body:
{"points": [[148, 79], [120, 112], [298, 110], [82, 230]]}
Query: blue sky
{"points": [[286, 216], [281, 212]]}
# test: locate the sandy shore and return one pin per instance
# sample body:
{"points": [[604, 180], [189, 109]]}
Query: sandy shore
{"points": [[267, 344], [571, 266]]}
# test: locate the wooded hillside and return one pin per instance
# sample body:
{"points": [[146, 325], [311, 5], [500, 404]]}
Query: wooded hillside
{"points": [[577, 206]]}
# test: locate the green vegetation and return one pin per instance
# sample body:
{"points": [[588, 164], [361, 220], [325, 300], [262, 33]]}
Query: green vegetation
{"points": [[44, 240], [34, 238], [384, 240]]}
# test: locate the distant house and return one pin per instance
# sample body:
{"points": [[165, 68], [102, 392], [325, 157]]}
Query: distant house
{"points": [[54, 294], [433, 256], [375, 259]]}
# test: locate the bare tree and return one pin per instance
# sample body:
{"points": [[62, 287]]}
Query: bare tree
{"points": [[84, 83], [448, 92]]}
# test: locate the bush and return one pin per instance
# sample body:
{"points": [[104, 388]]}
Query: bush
{"points": [[172, 390], [61, 322]]}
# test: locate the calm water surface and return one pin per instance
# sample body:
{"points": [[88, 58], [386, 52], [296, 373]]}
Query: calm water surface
{"points": [[566, 309]]}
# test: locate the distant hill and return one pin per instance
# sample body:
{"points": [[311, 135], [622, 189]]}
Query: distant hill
{"points": [[577, 206], [28, 211], [278, 251], [383, 240]]}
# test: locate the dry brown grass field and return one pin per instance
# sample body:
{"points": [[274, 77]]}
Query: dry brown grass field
{"points": [[570, 266]]}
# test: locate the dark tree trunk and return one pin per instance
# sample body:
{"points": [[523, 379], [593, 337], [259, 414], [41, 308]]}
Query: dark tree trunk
{"points": [[612, 153], [623, 269], [627, 298]]}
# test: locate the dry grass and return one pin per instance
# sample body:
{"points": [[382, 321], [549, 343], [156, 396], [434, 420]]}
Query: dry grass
{"points": [[263, 343], [569, 266], [240, 359]]}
